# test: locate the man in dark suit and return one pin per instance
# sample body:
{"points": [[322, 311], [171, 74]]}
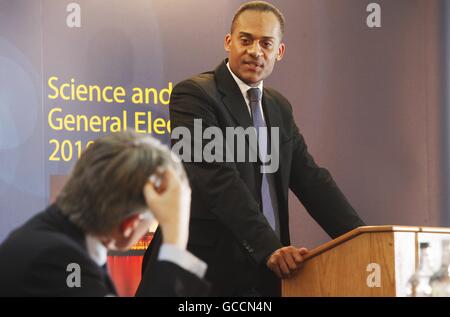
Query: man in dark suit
{"points": [[119, 185], [239, 216]]}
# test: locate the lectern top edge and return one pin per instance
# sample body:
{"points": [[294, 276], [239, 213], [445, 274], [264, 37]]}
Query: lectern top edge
{"points": [[370, 229]]}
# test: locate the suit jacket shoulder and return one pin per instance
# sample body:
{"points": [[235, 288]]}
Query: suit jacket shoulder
{"points": [[47, 256], [204, 83], [38, 258]]}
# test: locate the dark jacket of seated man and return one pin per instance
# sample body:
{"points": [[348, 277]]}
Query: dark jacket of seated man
{"points": [[35, 261], [105, 205]]}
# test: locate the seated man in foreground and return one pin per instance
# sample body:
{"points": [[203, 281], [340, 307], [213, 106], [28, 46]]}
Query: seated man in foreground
{"points": [[118, 186]]}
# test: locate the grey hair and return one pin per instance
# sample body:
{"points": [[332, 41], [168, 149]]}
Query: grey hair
{"points": [[106, 184]]}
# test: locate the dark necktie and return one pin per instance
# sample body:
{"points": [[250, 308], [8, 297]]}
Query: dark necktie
{"points": [[109, 283], [268, 206]]}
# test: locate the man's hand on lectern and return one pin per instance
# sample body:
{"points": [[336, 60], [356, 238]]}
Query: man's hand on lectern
{"points": [[285, 261]]}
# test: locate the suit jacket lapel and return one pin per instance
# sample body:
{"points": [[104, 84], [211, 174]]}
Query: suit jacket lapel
{"points": [[64, 225], [271, 113], [232, 96], [109, 283]]}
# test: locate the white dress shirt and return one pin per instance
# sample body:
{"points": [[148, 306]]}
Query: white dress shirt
{"points": [[244, 88]]}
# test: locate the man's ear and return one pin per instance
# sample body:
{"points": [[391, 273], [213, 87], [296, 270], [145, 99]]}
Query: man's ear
{"points": [[128, 225], [281, 51], [227, 42]]}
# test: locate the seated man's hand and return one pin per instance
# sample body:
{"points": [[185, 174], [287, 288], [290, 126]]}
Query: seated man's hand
{"points": [[170, 202], [285, 261]]}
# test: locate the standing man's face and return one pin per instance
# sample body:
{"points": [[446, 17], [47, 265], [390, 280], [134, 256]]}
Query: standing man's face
{"points": [[254, 46]]}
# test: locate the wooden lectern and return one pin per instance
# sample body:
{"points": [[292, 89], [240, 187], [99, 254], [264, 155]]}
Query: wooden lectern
{"points": [[368, 261]]}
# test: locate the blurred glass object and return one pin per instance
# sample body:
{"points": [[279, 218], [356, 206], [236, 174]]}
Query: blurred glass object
{"points": [[419, 283], [440, 280]]}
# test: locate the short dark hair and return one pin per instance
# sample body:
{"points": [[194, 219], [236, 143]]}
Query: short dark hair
{"points": [[106, 184], [261, 6]]}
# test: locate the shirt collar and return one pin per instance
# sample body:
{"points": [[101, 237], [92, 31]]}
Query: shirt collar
{"points": [[96, 250], [243, 86]]}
